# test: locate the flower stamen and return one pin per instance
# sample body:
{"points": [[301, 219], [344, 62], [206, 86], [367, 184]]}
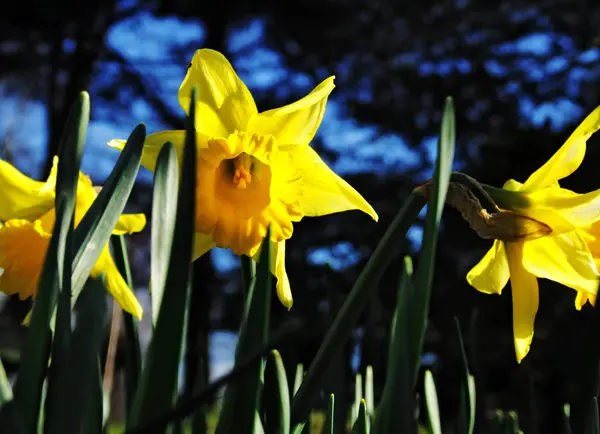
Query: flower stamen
{"points": [[242, 175]]}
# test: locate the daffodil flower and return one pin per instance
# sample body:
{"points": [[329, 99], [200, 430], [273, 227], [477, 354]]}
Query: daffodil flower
{"points": [[27, 214], [254, 169], [567, 253]]}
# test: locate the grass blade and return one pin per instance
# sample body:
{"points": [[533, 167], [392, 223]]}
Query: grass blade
{"points": [[370, 392], [355, 303], [358, 397], [84, 388], [361, 425], [329, 417], [299, 376], [164, 205], [186, 406], [276, 396], [158, 384], [95, 228], [467, 412], [133, 351], [241, 397], [593, 421], [424, 274], [6, 393], [431, 399], [36, 350], [396, 409]]}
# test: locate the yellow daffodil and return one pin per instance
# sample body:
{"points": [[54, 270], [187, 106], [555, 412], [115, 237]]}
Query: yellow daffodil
{"points": [[27, 214], [254, 169], [567, 253]]}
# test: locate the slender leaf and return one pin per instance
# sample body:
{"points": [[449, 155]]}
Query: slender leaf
{"points": [[328, 426], [298, 377], [158, 384], [433, 410], [34, 360], [276, 395], [248, 270], [593, 421], [96, 226], [164, 205], [468, 388], [424, 274], [358, 397], [355, 303], [370, 392], [186, 406], [362, 424], [395, 412], [6, 393], [241, 397], [133, 351], [84, 388]]}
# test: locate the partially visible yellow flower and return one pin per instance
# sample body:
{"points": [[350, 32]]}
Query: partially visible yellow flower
{"points": [[28, 216], [254, 169], [569, 254]]}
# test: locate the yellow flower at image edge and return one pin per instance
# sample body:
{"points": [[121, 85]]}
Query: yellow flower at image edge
{"points": [[254, 169], [28, 216], [569, 254]]}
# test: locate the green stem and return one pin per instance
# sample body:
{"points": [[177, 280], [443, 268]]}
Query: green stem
{"points": [[356, 301], [133, 354]]}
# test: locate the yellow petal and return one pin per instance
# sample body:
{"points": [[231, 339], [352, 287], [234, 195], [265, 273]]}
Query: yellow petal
{"points": [[568, 158], [525, 298], [153, 145], [324, 192], [116, 285], [578, 209], [563, 258], [296, 123], [491, 274], [202, 244], [129, 223], [224, 102], [23, 247], [582, 298], [284, 291], [20, 196]]}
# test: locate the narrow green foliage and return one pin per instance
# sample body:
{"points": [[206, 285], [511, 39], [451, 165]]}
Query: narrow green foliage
{"points": [[158, 385], [370, 391], [395, 412], [241, 397], [592, 425], [358, 396], [362, 424], [424, 275], [6, 393], [433, 411], [133, 350], [299, 376], [467, 412], [96, 226], [34, 360], [354, 305], [84, 387], [329, 416], [164, 206], [276, 396]]}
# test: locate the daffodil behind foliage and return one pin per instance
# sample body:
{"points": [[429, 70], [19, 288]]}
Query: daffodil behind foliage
{"points": [[254, 169], [569, 253], [27, 214]]}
